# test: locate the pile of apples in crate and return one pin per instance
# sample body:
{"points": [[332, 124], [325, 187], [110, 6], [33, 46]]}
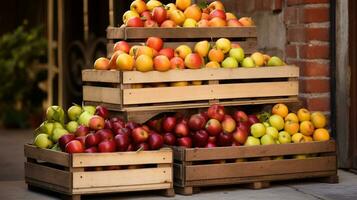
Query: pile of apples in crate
{"points": [[217, 128], [90, 130], [181, 14], [153, 56]]}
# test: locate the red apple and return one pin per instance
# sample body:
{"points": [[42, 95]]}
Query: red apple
{"points": [[240, 135], [102, 111], [105, 134], [216, 112], [143, 146], [74, 146], [118, 125], [156, 141], [168, 124], [159, 14], [212, 139], [146, 128], [196, 122], [64, 139], [139, 135], [121, 46], [177, 63], [81, 131], [210, 145], [122, 142], [135, 22], [234, 23], [91, 150], [205, 115], [240, 116], [182, 130], [225, 139], [184, 142], [168, 24], [92, 140], [155, 124], [200, 138], [194, 61], [108, 124], [106, 146], [146, 15], [124, 131], [213, 127], [131, 147], [168, 52], [150, 23], [253, 119], [217, 13], [155, 43], [228, 124], [169, 139], [82, 139], [96, 122], [116, 119], [131, 125], [244, 126]]}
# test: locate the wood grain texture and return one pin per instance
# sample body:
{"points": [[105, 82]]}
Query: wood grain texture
{"points": [[102, 76], [102, 94], [55, 157], [129, 188]]}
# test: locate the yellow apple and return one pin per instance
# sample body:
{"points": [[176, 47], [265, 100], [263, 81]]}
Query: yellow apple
{"points": [[224, 44], [183, 4], [258, 59], [189, 23], [129, 14], [144, 63], [153, 4], [182, 51], [178, 17], [202, 48]]}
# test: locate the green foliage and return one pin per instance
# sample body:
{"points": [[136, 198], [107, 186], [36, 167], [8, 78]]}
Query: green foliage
{"points": [[20, 95]]}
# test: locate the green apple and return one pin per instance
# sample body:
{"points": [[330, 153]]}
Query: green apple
{"points": [[84, 118], [74, 112], [237, 53], [56, 147], [284, 137], [72, 126], [43, 141], [57, 133], [275, 61], [277, 121], [55, 113], [230, 62], [272, 131], [267, 139], [257, 130], [248, 62], [277, 141], [266, 124], [57, 125], [252, 141], [89, 109], [45, 127]]}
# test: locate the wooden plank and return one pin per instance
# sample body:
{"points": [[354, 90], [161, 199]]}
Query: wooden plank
{"points": [[129, 188], [131, 77], [197, 32], [102, 94], [47, 175], [102, 76], [48, 186], [197, 154], [260, 168], [47, 155], [122, 177], [208, 92], [122, 158], [179, 171]]}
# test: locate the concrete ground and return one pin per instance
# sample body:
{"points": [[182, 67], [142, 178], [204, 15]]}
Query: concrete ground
{"points": [[12, 185]]}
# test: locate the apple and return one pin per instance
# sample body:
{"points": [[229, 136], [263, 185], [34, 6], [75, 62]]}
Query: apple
{"points": [[139, 135], [142, 146], [177, 17], [43, 141], [213, 127], [156, 141], [212, 139], [168, 24], [216, 112], [161, 63], [135, 22], [82, 139], [177, 63], [155, 124], [284, 137], [213, 64], [45, 127], [217, 13], [216, 55], [184, 142], [252, 119], [105, 134], [182, 130], [216, 5], [234, 23], [193, 12], [123, 131], [183, 51], [144, 63], [258, 59], [169, 124], [224, 44], [237, 53], [117, 124], [267, 139], [240, 135], [252, 141], [155, 43], [168, 52], [64, 139], [84, 118], [121, 46], [240, 116], [131, 125], [230, 62], [81, 130], [225, 139], [92, 139], [74, 146], [230, 16], [89, 109], [131, 147], [203, 23], [108, 124], [91, 150], [74, 112], [202, 48], [129, 14], [200, 138], [55, 113], [196, 122], [138, 6], [228, 125], [72, 126], [125, 62], [96, 122], [122, 142], [298, 138], [272, 131], [210, 145], [57, 133], [189, 23], [183, 4], [169, 139], [101, 111], [246, 21], [107, 146], [257, 130], [217, 22], [150, 23], [277, 121], [151, 4], [248, 62], [275, 61]]}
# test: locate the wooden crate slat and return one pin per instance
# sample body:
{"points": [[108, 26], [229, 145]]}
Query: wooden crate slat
{"points": [[122, 158], [48, 175], [103, 76], [260, 168], [48, 186], [210, 74], [129, 188], [122, 177], [208, 92], [253, 151], [179, 172], [50, 156], [197, 32], [102, 94]]}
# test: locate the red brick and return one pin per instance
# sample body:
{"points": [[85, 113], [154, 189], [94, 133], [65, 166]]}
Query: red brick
{"points": [[291, 51], [303, 34], [318, 104], [315, 86], [290, 15], [309, 15], [314, 51], [298, 2], [314, 69]]}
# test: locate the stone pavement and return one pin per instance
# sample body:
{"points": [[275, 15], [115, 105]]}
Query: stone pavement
{"points": [[13, 187]]}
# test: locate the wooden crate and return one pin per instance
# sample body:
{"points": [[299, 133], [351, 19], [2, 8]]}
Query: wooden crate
{"points": [[173, 37], [194, 167], [73, 175], [229, 87]]}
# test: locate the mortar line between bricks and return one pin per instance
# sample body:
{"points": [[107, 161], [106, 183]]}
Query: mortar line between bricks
{"points": [[303, 192]]}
